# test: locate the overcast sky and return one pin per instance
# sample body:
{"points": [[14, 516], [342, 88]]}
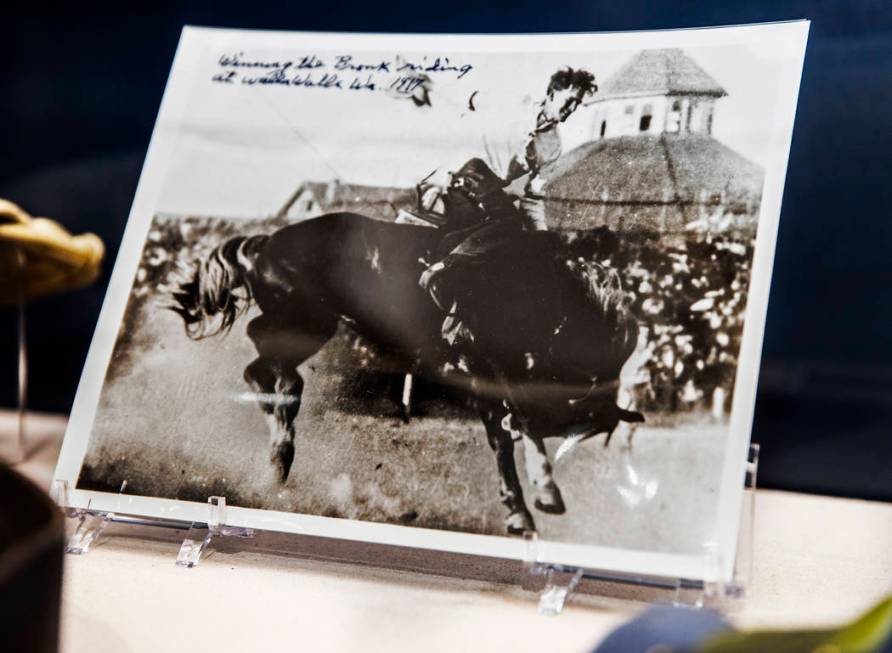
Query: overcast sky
{"points": [[242, 150]]}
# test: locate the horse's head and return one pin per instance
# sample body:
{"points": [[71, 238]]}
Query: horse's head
{"points": [[576, 407], [598, 412], [596, 336]]}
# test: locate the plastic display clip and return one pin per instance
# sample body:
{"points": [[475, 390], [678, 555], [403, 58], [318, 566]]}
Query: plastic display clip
{"points": [[89, 528], [697, 594], [90, 523], [194, 545], [743, 564], [559, 581], [713, 590]]}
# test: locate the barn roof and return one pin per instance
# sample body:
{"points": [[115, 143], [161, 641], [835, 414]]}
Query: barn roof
{"points": [[340, 193], [654, 168], [667, 71], [337, 195]]}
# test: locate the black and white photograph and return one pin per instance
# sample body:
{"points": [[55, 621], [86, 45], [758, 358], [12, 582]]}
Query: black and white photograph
{"points": [[455, 286]]}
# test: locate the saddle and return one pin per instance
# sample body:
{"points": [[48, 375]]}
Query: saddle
{"points": [[481, 225]]}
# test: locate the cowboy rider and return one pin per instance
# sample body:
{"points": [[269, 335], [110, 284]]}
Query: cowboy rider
{"points": [[481, 208]]}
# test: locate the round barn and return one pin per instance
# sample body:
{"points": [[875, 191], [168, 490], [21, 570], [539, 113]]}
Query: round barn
{"points": [[645, 157]]}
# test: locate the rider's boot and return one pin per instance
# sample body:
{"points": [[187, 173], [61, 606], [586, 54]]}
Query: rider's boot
{"points": [[428, 281]]}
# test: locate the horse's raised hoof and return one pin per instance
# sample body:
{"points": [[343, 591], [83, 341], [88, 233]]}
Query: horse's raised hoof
{"points": [[519, 522], [550, 500], [281, 457]]}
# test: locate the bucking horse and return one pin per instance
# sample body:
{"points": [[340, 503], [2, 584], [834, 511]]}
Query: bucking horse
{"points": [[547, 330]]}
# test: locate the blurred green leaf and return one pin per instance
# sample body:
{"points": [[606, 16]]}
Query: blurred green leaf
{"points": [[864, 635]]}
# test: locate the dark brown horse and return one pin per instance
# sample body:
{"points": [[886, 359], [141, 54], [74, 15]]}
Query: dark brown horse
{"points": [[547, 329]]}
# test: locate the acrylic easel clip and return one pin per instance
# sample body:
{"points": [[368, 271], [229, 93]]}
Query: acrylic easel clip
{"points": [[560, 581], [90, 523], [194, 545]]}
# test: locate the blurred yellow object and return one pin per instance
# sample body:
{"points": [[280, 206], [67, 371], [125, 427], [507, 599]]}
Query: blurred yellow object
{"points": [[870, 633], [42, 257]]}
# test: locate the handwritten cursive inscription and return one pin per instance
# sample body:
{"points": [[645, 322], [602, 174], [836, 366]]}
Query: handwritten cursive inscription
{"points": [[398, 76]]}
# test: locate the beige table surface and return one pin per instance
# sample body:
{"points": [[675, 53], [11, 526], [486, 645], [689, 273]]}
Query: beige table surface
{"points": [[818, 560]]}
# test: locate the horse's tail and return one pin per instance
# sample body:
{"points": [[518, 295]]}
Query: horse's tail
{"points": [[219, 289]]}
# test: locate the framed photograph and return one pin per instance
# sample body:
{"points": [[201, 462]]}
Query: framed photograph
{"points": [[439, 291]]}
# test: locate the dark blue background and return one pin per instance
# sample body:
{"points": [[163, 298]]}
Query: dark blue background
{"points": [[81, 84]]}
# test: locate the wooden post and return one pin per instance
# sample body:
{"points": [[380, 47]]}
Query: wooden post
{"points": [[702, 212]]}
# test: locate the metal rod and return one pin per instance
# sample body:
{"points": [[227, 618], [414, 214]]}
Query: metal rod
{"points": [[158, 523], [23, 352]]}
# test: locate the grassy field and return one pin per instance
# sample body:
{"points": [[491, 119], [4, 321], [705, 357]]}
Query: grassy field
{"points": [[175, 421]]}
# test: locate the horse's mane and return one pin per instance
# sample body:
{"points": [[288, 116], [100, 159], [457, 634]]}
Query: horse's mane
{"points": [[602, 288], [602, 285], [586, 255]]}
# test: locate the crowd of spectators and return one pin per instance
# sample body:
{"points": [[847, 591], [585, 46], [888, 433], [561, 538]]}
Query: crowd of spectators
{"points": [[689, 296]]}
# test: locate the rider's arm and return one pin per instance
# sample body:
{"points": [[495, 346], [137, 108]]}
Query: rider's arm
{"points": [[518, 176], [523, 169], [517, 168]]}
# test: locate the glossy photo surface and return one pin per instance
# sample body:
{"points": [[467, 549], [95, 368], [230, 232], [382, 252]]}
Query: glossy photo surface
{"points": [[444, 291]]}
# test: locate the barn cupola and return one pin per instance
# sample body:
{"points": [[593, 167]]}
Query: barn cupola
{"points": [[656, 92]]}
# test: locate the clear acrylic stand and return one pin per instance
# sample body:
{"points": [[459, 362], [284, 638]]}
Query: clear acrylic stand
{"points": [[558, 582], [199, 535], [90, 523], [555, 583], [192, 549]]}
